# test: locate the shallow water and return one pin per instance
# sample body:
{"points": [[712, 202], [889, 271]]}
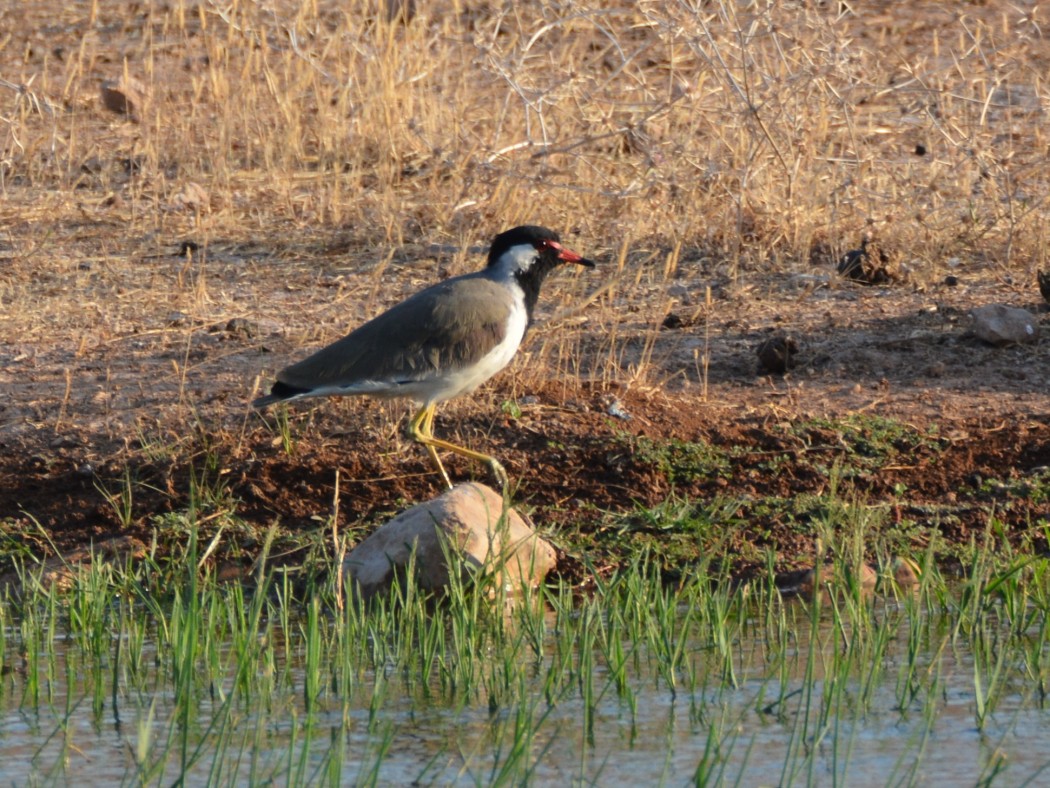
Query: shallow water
{"points": [[787, 719]]}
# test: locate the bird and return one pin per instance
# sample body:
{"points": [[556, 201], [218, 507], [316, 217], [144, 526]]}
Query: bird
{"points": [[440, 343]]}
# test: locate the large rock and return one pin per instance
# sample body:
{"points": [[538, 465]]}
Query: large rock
{"points": [[471, 521], [999, 324]]}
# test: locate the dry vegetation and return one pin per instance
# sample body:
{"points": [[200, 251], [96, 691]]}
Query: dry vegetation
{"points": [[325, 160]]}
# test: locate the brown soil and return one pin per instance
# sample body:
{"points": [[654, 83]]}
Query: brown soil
{"points": [[170, 400]]}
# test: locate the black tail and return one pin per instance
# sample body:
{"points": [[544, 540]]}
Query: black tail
{"points": [[280, 392]]}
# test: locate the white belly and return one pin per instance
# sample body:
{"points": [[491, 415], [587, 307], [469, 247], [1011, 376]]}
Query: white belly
{"points": [[451, 383]]}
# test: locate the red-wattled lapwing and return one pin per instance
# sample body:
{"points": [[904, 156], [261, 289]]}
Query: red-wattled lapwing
{"points": [[442, 342]]}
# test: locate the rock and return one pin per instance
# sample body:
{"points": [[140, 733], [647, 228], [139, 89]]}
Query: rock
{"points": [[245, 328], [615, 408], [905, 572], [999, 324], [806, 281], [191, 197], [469, 518], [125, 96], [872, 264], [672, 321], [777, 354]]}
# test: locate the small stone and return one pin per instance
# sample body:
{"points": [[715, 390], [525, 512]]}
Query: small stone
{"points": [[125, 96], [905, 572], [616, 409], [951, 280], [872, 264], [191, 197], [239, 325], [777, 354], [672, 321], [806, 281], [1000, 325], [469, 520]]}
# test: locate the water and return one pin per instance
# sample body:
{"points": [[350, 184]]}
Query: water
{"points": [[857, 712]]}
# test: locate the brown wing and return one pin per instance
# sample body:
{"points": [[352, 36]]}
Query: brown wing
{"points": [[443, 327]]}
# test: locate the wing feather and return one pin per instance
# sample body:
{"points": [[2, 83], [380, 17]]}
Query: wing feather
{"points": [[444, 327]]}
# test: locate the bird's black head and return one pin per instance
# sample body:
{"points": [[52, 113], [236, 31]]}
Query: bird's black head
{"points": [[542, 239], [529, 253]]}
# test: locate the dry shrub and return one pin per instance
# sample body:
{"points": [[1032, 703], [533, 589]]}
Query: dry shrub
{"points": [[742, 129], [671, 137]]}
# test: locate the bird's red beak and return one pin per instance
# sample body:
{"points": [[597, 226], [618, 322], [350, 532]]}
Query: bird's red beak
{"points": [[569, 256]]}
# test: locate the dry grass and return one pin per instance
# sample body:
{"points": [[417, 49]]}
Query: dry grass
{"points": [[308, 146]]}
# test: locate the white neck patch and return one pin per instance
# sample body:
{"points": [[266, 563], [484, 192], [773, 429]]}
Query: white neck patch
{"points": [[517, 258]]}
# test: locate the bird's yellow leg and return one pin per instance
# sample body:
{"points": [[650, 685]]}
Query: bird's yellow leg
{"points": [[421, 428]]}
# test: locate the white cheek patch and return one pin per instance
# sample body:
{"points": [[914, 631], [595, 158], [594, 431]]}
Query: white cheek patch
{"points": [[519, 258]]}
